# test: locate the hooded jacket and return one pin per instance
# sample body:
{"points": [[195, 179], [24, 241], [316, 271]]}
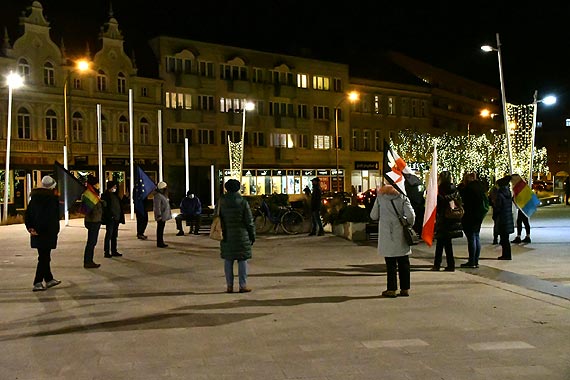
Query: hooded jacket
{"points": [[391, 241], [237, 226], [42, 215]]}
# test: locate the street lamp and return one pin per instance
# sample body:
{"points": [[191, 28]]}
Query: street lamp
{"points": [[488, 48], [549, 100], [352, 97], [484, 113], [81, 65], [14, 81]]}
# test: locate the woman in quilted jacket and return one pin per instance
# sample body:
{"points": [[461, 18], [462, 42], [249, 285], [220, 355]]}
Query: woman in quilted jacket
{"points": [[446, 228], [239, 235]]}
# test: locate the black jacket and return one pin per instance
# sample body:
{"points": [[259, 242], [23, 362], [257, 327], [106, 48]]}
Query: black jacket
{"points": [[42, 215], [504, 207]]}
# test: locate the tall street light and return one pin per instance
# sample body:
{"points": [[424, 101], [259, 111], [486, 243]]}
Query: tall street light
{"points": [[353, 96], [81, 66], [549, 100], [14, 81], [488, 48]]}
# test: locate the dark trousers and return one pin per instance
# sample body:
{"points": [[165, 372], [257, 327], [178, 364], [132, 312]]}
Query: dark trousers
{"points": [[92, 236], [317, 223], [193, 221], [43, 269], [111, 234], [522, 219], [506, 246], [142, 222], [160, 232], [441, 244], [473, 246], [398, 267]]}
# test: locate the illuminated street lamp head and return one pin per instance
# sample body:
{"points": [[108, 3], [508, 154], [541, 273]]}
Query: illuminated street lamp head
{"points": [[353, 96], [249, 106], [549, 100], [488, 48], [14, 80], [82, 65]]}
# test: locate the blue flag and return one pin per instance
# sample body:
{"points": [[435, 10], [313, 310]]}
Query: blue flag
{"points": [[143, 187], [69, 187]]}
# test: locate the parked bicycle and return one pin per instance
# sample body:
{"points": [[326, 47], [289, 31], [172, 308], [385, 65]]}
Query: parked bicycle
{"points": [[290, 220]]}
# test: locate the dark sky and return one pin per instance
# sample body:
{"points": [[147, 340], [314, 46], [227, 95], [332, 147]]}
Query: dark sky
{"points": [[448, 34]]}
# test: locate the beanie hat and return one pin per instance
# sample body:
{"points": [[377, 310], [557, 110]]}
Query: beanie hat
{"points": [[92, 180], [111, 184], [161, 185], [48, 182], [232, 185]]}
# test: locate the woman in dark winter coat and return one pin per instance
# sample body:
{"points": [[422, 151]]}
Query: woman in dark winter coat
{"points": [[476, 205], [445, 227], [239, 234], [112, 217], [42, 222], [505, 222]]}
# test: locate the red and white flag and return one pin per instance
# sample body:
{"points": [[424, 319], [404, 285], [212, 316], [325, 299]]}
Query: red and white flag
{"points": [[431, 202]]}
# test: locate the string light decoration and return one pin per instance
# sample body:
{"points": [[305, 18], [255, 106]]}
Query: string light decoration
{"points": [[236, 158], [483, 154]]}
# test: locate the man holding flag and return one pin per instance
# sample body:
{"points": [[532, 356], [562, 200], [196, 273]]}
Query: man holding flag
{"points": [[143, 187], [92, 207]]}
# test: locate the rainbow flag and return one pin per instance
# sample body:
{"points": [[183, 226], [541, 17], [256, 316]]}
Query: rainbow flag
{"points": [[89, 200], [525, 199]]}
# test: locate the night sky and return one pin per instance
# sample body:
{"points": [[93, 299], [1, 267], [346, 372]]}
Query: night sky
{"points": [[448, 34]]}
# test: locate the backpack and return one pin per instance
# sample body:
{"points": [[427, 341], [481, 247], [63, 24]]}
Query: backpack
{"points": [[454, 210]]}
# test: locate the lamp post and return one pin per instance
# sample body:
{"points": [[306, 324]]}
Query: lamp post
{"points": [[549, 100], [353, 96], [81, 65], [13, 81], [488, 48]]}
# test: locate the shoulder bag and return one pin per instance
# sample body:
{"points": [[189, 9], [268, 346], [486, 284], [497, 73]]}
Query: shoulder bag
{"points": [[411, 237], [216, 227]]}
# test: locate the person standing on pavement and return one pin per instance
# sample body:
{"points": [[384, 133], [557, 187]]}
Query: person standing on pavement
{"points": [[391, 242], [476, 205], [190, 210], [446, 228], [505, 225], [42, 222], [317, 224], [239, 235], [162, 213], [112, 216], [92, 222], [567, 191], [522, 219]]}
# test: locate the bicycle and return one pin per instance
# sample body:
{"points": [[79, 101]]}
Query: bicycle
{"points": [[290, 220]]}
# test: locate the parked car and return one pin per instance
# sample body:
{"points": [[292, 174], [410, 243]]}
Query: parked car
{"points": [[367, 198], [342, 196], [539, 185]]}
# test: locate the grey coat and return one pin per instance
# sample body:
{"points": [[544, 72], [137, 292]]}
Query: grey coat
{"points": [[391, 241], [161, 207], [237, 227]]}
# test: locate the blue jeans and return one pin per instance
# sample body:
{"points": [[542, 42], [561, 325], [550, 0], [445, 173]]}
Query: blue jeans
{"points": [[92, 236], [473, 247], [242, 272]]}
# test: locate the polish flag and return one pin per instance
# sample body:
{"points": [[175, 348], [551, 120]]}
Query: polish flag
{"points": [[431, 202]]}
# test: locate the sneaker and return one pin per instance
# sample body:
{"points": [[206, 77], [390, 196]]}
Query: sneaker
{"points": [[38, 287], [180, 233], [91, 265], [526, 239], [52, 283], [404, 293], [434, 269], [517, 240], [117, 254], [389, 294], [244, 290]]}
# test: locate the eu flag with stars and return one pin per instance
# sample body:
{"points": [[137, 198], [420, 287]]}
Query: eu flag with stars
{"points": [[143, 187]]}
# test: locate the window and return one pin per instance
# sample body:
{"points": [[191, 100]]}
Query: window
{"points": [[144, 128], [282, 140], [257, 139], [206, 69], [415, 110], [178, 100], [232, 72], [49, 74], [303, 80], [144, 92], [303, 111], [178, 65], [321, 113], [51, 125], [121, 84], [24, 129], [104, 129], [101, 81], [377, 141], [77, 84], [281, 109], [206, 102], [391, 106], [257, 75], [406, 107], [321, 83], [366, 140], [377, 107], [322, 142], [235, 136], [231, 105], [303, 141], [206, 136], [282, 77], [568, 122], [77, 127], [355, 139], [337, 84], [123, 130], [24, 69], [423, 106], [178, 136]]}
